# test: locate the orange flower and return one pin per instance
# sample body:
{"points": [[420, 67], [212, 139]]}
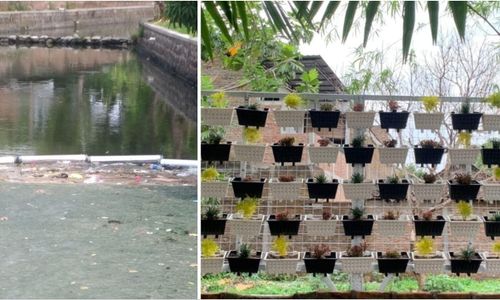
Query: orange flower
{"points": [[233, 50]]}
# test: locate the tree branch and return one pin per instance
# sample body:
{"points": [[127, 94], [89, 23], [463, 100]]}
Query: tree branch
{"points": [[484, 18]]}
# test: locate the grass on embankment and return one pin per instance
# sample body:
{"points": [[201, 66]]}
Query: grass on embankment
{"points": [[179, 29]]}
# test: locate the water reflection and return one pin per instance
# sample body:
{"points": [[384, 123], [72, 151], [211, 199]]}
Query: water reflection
{"points": [[93, 101]]}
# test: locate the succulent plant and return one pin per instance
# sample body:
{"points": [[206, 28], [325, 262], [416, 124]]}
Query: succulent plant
{"points": [[280, 245], [430, 103], [463, 178], [468, 253], [429, 144], [358, 141], [357, 178], [326, 216], [429, 178], [253, 106], [357, 213], [393, 179], [286, 178], [465, 107], [393, 105], [320, 251], [247, 207], [464, 209], [321, 178], [209, 248], [323, 142], [293, 101], [392, 254], [326, 107], [282, 216], [427, 215], [358, 107], [355, 251], [424, 247], [286, 141], [212, 213], [390, 143], [391, 215], [244, 251]]}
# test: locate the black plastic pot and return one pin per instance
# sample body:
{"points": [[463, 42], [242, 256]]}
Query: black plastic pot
{"points": [[283, 154], [491, 228], [394, 191], [244, 189], [463, 191], [324, 119], [215, 152], [213, 227], [320, 266], [392, 265], [243, 265], [429, 228], [289, 227], [322, 190], [251, 117], [490, 156], [467, 122], [361, 227], [459, 265], [431, 156], [362, 155], [395, 120]]}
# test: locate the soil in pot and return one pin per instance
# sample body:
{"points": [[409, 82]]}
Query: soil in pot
{"points": [[247, 188], [243, 265], [463, 191], [283, 154], [357, 227], [431, 156], [429, 227], [327, 190], [251, 117], [467, 122], [324, 265], [324, 119], [215, 152], [289, 227], [490, 156], [393, 191], [491, 227], [213, 226], [358, 155], [392, 265], [395, 120], [460, 265]]}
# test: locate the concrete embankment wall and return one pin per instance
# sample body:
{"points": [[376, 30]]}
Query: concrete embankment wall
{"points": [[174, 52], [24, 21]]}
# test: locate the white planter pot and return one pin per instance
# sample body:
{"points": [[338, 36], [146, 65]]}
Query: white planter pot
{"points": [[392, 227], [215, 189], [358, 190], [491, 122], [463, 156], [428, 265], [327, 154], [285, 190], [428, 191], [428, 120], [245, 227], [316, 226], [357, 265], [393, 155], [250, 153], [281, 265], [492, 264], [290, 118], [464, 229], [212, 265], [360, 119], [217, 116], [491, 191]]}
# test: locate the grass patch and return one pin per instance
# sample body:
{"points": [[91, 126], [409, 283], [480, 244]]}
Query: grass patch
{"points": [[179, 29]]}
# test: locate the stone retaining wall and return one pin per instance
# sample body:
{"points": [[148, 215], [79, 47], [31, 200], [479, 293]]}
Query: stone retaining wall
{"points": [[175, 52]]}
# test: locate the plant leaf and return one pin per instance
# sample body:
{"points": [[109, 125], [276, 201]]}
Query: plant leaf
{"points": [[459, 12], [315, 6], [329, 11], [276, 18], [349, 18], [219, 22], [205, 35], [242, 12], [433, 8], [408, 25], [371, 11]]}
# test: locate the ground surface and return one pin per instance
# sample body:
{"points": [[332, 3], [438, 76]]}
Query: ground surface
{"points": [[97, 241]]}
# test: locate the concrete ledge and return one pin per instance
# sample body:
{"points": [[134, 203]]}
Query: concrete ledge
{"points": [[125, 158], [48, 158], [8, 159]]}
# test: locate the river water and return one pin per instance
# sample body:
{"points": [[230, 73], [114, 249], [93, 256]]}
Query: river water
{"points": [[93, 101]]}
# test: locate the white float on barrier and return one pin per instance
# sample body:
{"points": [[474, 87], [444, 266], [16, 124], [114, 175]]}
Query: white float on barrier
{"points": [[125, 158], [7, 159], [179, 162], [35, 158]]}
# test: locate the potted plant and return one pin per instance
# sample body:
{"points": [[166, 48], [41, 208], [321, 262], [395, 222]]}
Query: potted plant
{"points": [[467, 261], [245, 222], [393, 118], [284, 151], [282, 224], [320, 188], [491, 156], [465, 120], [462, 187], [251, 115], [356, 153], [393, 188], [465, 225], [211, 221], [428, 152], [491, 188], [429, 190], [430, 119], [212, 259], [389, 154], [320, 260], [358, 118], [492, 225], [291, 116], [325, 117], [324, 225], [491, 122], [286, 187], [492, 260], [357, 225], [213, 184], [392, 262], [215, 111], [244, 261], [357, 188], [247, 187], [211, 147], [325, 153], [391, 223], [252, 150], [356, 260], [280, 261], [427, 226], [425, 259]]}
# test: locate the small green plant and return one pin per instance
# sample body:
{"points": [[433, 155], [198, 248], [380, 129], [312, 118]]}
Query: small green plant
{"points": [[465, 107], [429, 178], [358, 107], [209, 174], [393, 105], [280, 245], [286, 141], [496, 173], [309, 82], [390, 143], [357, 178], [393, 254], [494, 99], [293, 101], [244, 251], [209, 248], [495, 143], [393, 179], [430, 144], [218, 100], [430, 103], [496, 248], [357, 213], [326, 107], [320, 251], [464, 138], [358, 141], [463, 178], [496, 217], [424, 247], [211, 213], [464, 209], [212, 134], [253, 106], [252, 135], [468, 253], [247, 207], [321, 179]]}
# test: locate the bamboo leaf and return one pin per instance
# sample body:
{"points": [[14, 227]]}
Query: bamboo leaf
{"points": [[276, 18], [219, 22], [349, 18], [315, 6], [371, 11], [459, 12], [205, 35], [329, 11], [234, 16], [433, 8], [242, 12], [408, 25], [301, 8]]}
